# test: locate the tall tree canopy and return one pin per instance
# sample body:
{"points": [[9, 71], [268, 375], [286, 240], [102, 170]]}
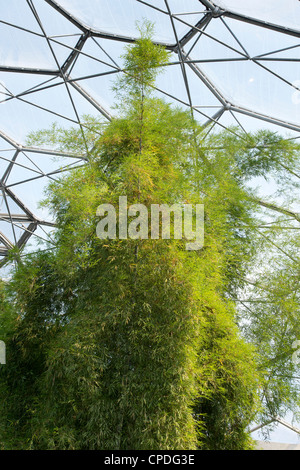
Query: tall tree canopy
{"points": [[139, 343]]}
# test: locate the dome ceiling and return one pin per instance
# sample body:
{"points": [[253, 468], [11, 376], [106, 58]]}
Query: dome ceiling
{"points": [[233, 63]]}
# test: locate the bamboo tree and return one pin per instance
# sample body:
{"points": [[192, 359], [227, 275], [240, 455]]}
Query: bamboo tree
{"points": [[136, 343]]}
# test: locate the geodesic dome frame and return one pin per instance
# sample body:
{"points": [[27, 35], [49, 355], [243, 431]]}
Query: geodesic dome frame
{"points": [[233, 63]]}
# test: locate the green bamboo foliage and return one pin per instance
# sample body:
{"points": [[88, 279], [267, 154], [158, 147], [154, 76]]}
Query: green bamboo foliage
{"points": [[133, 344]]}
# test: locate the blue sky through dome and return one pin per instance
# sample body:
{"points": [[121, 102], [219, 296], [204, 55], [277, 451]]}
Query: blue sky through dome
{"points": [[59, 59]]}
